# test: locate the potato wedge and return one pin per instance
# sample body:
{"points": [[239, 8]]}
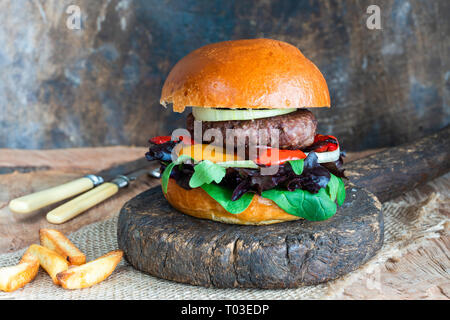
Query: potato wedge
{"points": [[51, 261], [58, 242], [15, 277], [90, 273]]}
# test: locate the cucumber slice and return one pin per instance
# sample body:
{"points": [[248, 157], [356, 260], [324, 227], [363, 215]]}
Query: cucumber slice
{"points": [[214, 114], [239, 164]]}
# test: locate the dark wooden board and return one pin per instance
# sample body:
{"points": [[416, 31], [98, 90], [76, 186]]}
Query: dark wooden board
{"points": [[165, 243], [396, 170]]}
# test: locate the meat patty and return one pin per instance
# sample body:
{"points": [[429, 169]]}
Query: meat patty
{"points": [[296, 130]]}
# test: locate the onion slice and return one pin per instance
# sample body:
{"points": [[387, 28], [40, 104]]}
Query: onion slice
{"points": [[214, 114], [328, 156]]}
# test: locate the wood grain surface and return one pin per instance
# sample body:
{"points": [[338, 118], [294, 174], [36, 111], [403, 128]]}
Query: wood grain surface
{"points": [[394, 171], [55, 167]]}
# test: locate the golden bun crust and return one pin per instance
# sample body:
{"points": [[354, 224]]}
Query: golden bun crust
{"points": [[197, 203], [254, 73]]}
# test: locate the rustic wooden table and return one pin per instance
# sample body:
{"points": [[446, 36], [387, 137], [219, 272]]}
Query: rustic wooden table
{"points": [[26, 171]]}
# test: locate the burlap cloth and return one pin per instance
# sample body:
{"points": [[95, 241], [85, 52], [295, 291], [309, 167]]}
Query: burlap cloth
{"points": [[410, 221]]}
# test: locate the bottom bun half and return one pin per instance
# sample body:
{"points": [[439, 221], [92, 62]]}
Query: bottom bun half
{"points": [[197, 203]]}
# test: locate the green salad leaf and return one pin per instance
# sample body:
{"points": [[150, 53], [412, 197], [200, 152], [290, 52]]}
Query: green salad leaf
{"points": [[297, 166], [333, 187], [223, 196], [166, 174], [341, 193], [206, 172], [336, 189], [302, 203]]}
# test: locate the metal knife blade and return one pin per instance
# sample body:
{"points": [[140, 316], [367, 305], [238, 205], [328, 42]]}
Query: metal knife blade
{"points": [[127, 168], [123, 180]]}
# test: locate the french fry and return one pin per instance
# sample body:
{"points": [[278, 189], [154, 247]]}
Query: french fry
{"points": [[51, 261], [56, 241], [15, 277], [90, 273]]}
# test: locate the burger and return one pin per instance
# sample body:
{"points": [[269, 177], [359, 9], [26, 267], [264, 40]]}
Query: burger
{"points": [[250, 153]]}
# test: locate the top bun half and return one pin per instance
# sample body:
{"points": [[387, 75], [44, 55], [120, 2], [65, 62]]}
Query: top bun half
{"points": [[253, 74]]}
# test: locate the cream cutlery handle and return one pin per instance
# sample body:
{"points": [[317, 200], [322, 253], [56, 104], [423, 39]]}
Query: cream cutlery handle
{"points": [[82, 203], [40, 199]]}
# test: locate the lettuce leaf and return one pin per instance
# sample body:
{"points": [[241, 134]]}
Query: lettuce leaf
{"points": [[341, 193], [302, 203], [310, 206], [223, 196], [206, 172], [333, 187], [297, 166], [166, 174], [336, 189]]}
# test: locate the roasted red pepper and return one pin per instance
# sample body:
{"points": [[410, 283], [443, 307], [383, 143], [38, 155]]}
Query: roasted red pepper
{"points": [[187, 140], [330, 145], [160, 139], [272, 156], [163, 139]]}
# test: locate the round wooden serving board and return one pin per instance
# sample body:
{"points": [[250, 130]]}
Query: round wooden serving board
{"points": [[165, 243]]}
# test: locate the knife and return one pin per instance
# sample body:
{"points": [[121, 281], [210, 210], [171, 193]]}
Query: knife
{"points": [[93, 197], [41, 199]]}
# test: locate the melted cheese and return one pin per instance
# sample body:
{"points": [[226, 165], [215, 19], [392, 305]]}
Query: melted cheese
{"points": [[207, 152]]}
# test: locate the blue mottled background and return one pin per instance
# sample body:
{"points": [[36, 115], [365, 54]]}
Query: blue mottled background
{"points": [[100, 85]]}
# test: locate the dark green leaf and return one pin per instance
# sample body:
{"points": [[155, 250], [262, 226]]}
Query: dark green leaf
{"points": [[301, 203], [166, 174], [206, 172], [223, 196], [332, 187], [318, 206], [297, 166], [341, 193]]}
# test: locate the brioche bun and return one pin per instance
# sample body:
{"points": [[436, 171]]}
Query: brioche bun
{"points": [[252, 74], [197, 203]]}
